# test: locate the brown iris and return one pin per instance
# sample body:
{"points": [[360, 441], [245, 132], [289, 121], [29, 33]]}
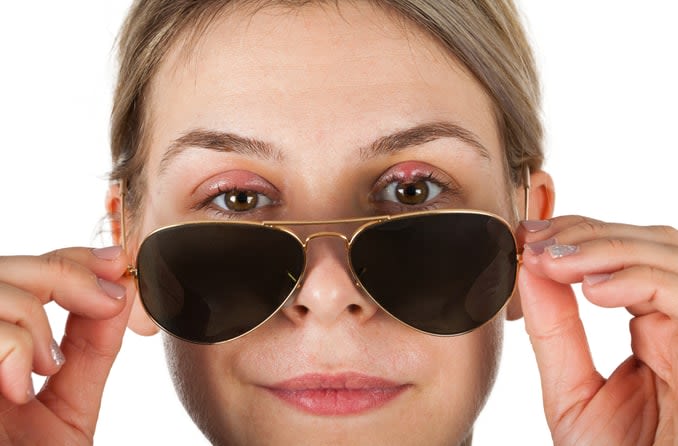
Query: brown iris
{"points": [[412, 193], [241, 200]]}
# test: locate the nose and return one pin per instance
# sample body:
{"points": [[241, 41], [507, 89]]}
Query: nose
{"points": [[328, 294]]}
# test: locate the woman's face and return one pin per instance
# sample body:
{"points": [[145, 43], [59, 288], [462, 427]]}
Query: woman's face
{"points": [[318, 86]]}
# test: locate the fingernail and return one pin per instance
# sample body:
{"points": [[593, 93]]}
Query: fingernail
{"points": [[535, 225], [560, 251], [109, 253], [57, 355], [537, 248], [594, 279], [113, 290]]}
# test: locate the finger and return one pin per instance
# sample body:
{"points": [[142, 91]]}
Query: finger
{"points": [[16, 352], [568, 376], [569, 263], [90, 347], [26, 311], [576, 229], [76, 278], [615, 273], [652, 337], [643, 289]]}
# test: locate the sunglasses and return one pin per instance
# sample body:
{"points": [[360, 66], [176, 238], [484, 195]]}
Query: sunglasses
{"points": [[442, 272]]}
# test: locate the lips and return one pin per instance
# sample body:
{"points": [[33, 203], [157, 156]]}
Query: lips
{"points": [[343, 394]]}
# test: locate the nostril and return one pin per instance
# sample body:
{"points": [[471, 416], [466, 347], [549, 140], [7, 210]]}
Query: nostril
{"points": [[300, 310], [354, 309]]}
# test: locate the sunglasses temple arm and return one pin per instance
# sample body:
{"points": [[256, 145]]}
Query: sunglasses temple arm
{"points": [[131, 270], [123, 230], [526, 185]]}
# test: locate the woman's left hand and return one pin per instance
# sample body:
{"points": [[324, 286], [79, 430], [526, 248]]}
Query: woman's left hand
{"points": [[619, 266]]}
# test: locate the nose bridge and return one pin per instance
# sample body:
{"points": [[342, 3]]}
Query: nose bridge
{"points": [[327, 250], [327, 293]]}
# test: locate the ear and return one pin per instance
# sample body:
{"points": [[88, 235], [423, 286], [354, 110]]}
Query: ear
{"points": [[138, 322], [542, 201]]}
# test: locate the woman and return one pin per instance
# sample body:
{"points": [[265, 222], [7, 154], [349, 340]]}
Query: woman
{"points": [[541, 197]]}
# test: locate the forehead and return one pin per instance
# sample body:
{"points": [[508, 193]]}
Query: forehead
{"points": [[315, 71]]}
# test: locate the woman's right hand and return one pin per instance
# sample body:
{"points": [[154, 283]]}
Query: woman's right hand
{"points": [[91, 285]]}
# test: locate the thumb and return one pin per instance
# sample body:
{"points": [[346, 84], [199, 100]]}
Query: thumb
{"points": [[552, 321], [90, 346]]}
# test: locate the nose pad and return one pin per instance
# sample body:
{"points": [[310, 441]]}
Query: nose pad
{"points": [[328, 293]]}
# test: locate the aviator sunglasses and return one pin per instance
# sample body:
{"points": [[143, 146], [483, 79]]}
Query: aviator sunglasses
{"points": [[441, 272]]}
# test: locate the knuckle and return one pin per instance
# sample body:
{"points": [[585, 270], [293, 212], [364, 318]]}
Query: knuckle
{"points": [[595, 227], [25, 340], [616, 244], [668, 231], [654, 274], [16, 344], [34, 311], [56, 263]]}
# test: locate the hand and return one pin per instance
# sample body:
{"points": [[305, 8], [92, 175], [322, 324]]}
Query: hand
{"points": [[91, 285], [619, 266]]}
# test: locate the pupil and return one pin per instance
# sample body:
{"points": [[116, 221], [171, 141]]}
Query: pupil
{"points": [[412, 193], [242, 200], [241, 197]]}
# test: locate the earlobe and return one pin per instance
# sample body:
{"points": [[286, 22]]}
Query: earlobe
{"points": [[139, 321], [542, 202]]}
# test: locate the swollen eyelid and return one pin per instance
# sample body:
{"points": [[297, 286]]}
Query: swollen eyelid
{"points": [[235, 192]]}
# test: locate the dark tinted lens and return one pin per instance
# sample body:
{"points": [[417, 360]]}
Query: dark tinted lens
{"points": [[213, 282], [441, 273]]}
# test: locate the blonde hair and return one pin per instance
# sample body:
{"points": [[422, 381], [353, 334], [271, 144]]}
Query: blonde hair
{"points": [[485, 35]]}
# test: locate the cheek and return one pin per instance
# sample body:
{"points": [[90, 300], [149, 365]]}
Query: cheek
{"points": [[463, 373], [194, 382]]}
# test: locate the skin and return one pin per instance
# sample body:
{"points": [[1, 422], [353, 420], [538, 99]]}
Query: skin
{"points": [[233, 83], [316, 129]]}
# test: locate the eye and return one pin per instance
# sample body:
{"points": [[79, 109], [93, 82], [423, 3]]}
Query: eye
{"points": [[411, 192], [238, 200]]}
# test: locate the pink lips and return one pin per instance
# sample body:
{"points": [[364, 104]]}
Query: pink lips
{"points": [[344, 394]]}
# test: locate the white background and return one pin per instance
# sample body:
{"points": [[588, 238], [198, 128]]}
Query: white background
{"points": [[609, 73]]}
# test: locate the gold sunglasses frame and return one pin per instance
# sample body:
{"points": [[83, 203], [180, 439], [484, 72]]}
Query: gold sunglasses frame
{"points": [[283, 225]]}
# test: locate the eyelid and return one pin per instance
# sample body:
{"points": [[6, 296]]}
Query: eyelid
{"points": [[451, 194], [413, 171], [229, 181]]}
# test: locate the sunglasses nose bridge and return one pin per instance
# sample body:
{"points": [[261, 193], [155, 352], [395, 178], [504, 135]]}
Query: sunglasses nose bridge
{"points": [[320, 234]]}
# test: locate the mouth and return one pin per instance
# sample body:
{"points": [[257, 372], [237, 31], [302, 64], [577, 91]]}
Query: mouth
{"points": [[343, 394]]}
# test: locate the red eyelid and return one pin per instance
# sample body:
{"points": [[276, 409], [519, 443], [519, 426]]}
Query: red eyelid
{"points": [[410, 170], [237, 180]]}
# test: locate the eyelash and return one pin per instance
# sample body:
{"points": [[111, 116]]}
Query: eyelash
{"points": [[449, 190], [207, 203]]}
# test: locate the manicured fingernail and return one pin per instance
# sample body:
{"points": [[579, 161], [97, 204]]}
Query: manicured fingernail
{"points": [[109, 253], [114, 290], [594, 279], [537, 248], [560, 251], [535, 225], [57, 355]]}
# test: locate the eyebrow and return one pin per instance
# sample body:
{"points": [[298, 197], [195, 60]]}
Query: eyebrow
{"points": [[221, 142], [230, 142], [422, 134]]}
